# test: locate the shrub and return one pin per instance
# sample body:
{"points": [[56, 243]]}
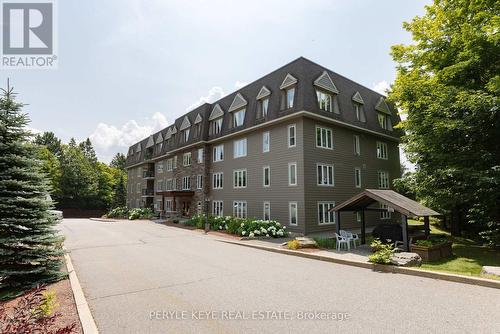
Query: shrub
{"points": [[432, 240], [119, 212], [267, 228], [137, 213], [33, 314], [382, 254], [328, 243], [293, 244]]}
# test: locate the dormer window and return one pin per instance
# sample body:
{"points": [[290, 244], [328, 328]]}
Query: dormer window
{"points": [[263, 102], [326, 93], [185, 135], [359, 112], [215, 121], [288, 88], [238, 118], [197, 126], [263, 107], [215, 126], [384, 121]]}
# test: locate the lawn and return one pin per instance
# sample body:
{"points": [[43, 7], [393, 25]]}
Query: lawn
{"points": [[468, 259]]}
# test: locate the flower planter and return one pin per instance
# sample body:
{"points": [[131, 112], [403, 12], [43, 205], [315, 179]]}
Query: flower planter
{"points": [[433, 253]]}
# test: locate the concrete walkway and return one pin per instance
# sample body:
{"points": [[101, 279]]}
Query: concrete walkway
{"points": [[141, 277]]}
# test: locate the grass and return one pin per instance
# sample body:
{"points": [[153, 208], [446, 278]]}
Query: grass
{"points": [[327, 243], [468, 258]]}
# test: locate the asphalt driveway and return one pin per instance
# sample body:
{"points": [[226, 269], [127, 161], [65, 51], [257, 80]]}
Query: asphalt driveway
{"points": [[140, 277]]}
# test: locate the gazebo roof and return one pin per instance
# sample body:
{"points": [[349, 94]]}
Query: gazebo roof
{"points": [[390, 198]]}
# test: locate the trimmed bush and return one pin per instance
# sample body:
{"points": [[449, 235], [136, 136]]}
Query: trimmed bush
{"points": [[293, 244], [137, 213], [383, 252], [119, 212]]}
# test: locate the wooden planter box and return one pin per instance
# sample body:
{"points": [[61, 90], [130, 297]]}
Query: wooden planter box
{"points": [[434, 253]]}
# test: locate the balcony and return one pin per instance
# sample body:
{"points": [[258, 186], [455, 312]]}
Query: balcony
{"points": [[148, 192], [148, 174]]}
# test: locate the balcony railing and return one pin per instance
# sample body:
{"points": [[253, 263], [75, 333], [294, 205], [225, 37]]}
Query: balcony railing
{"points": [[148, 174], [148, 192]]}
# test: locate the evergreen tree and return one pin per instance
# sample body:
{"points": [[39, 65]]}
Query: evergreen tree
{"points": [[30, 247], [88, 150], [49, 140], [118, 161]]}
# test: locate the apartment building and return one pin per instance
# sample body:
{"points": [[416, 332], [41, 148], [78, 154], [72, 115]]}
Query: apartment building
{"points": [[288, 147]]}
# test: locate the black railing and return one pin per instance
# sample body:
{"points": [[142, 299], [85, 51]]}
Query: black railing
{"points": [[148, 173], [148, 192]]}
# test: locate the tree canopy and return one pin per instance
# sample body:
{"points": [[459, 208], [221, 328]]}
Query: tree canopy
{"points": [[448, 85]]}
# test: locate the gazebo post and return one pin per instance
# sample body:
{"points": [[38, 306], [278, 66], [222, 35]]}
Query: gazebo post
{"points": [[404, 226], [426, 226], [338, 222], [363, 227]]}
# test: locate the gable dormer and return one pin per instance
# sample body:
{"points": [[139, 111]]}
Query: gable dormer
{"points": [[185, 124], [325, 82], [359, 110], [326, 93], [263, 92], [238, 103], [357, 98], [217, 112], [289, 80]]}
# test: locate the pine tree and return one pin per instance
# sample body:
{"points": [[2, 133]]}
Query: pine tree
{"points": [[30, 247]]}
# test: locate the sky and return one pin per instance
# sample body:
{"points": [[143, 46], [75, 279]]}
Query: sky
{"points": [[128, 68]]}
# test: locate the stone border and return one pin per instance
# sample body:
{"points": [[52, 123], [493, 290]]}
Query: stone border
{"points": [[378, 267], [86, 319]]}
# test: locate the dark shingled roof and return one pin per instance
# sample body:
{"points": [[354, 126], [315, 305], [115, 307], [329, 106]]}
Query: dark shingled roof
{"points": [[390, 198]]}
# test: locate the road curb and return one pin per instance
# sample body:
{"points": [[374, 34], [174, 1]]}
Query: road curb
{"points": [[489, 283], [86, 319]]}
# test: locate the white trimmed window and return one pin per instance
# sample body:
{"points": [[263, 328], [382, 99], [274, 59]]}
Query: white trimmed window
{"points": [[293, 213], [266, 176], [240, 209], [169, 205], [159, 185], [267, 211], [264, 106], [215, 126], [324, 137], [240, 178], [200, 155], [325, 216], [292, 174], [174, 164], [381, 150], [218, 208], [186, 183], [175, 184], [160, 167], [238, 118], [139, 172], [185, 135], [384, 214], [325, 175], [138, 188], [358, 216], [383, 180], [289, 97], [169, 165], [265, 142], [384, 121], [218, 153], [357, 145], [357, 177], [292, 136], [218, 180], [199, 181], [186, 159], [240, 148], [325, 101], [169, 185]]}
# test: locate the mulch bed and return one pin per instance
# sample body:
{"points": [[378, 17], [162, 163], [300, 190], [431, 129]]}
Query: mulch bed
{"points": [[66, 301]]}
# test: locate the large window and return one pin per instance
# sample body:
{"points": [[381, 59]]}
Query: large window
{"points": [[218, 180], [218, 153], [291, 136], [215, 126], [357, 177], [325, 216], [383, 180], [240, 209], [289, 97], [267, 211], [138, 188], [169, 185], [199, 181], [325, 101], [240, 178], [264, 106], [169, 165], [357, 145], [381, 150], [324, 137], [169, 205], [293, 213], [240, 148], [265, 142], [159, 185], [266, 176], [186, 159], [174, 164], [238, 118], [160, 167], [218, 208], [325, 175], [200, 155], [292, 174], [186, 183]]}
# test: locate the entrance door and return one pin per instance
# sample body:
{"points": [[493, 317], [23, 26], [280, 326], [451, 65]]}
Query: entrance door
{"points": [[185, 208]]}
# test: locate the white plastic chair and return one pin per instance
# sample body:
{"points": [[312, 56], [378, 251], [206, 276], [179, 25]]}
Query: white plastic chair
{"points": [[350, 237], [342, 242]]}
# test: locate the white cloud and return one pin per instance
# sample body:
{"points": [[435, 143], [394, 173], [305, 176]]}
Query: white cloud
{"points": [[381, 87], [240, 84], [215, 93], [110, 139]]}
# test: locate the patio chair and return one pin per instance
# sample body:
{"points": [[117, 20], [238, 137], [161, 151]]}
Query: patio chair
{"points": [[350, 237], [342, 242]]}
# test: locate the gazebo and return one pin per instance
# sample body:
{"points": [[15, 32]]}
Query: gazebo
{"points": [[393, 201]]}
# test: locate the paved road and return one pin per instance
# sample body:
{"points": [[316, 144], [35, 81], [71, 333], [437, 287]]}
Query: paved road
{"points": [[130, 269]]}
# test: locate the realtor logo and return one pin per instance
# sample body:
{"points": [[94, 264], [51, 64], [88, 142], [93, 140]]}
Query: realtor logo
{"points": [[28, 35]]}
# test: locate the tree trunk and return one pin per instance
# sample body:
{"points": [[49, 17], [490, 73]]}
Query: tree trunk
{"points": [[456, 220]]}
